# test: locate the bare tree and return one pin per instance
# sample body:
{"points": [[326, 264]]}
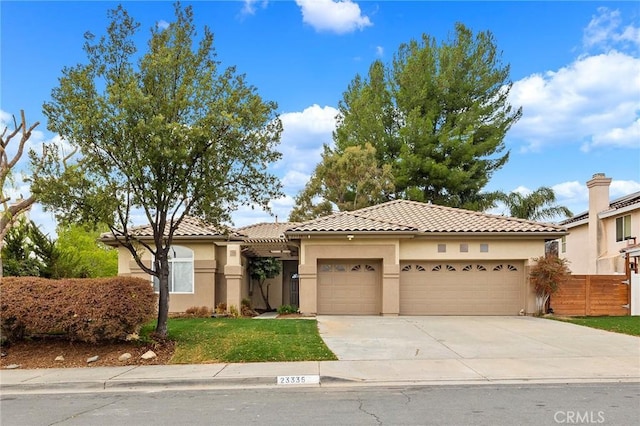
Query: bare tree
{"points": [[11, 209]]}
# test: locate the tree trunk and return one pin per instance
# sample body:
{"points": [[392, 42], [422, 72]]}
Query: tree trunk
{"points": [[162, 265], [265, 298]]}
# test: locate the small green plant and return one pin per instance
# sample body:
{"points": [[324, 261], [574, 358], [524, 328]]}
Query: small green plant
{"points": [[262, 269], [288, 309], [233, 311]]}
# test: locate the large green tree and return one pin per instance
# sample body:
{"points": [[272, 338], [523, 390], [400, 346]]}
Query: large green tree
{"points": [[164, 133], [537, 205], [438, 115], [82, 255], [351, 180], [19, 251]]}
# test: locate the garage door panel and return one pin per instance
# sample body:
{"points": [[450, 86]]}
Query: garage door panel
{"points": [[461, 288], [349, 287]]}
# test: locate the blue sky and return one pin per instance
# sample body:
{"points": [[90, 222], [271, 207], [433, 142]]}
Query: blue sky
{"points": [[575, 68]]}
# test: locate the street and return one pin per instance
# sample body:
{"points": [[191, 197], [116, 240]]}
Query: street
{"points": [[522, 404]]}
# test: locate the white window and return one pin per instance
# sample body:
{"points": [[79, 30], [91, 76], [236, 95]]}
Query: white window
{"points": [[623, 228], [180, 271]]}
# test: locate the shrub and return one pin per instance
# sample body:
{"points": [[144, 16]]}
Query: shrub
{"points": [[87, 310], [288, 309], [233, 311], [221, 308], [545, 276], [199, 312]]}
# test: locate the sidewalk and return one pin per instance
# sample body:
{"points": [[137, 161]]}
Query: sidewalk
{"points": [[322, 373]]}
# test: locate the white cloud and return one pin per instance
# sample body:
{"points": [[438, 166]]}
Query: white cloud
{"points": [[606, 30], [310, 128], [620, 188], [162, 24], [379, 51], [249, 7], [341, 16], [293, 181], [618, 136], [595, 102], [575, 195], [250, 215], [572, 190]]}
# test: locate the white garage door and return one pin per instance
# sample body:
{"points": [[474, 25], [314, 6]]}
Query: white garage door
{"points": [[462, 288], [349, 287]]}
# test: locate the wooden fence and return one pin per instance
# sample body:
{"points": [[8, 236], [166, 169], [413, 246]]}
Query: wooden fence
{"points": [[592, 295]]}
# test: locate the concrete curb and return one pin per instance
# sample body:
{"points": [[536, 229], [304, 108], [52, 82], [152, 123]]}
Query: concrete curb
{"points": [[271, 382]]}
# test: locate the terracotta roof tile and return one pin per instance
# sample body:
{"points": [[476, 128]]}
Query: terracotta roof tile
{"points": [[403, 215], [266, 232], [189, 227], [351, 222]]}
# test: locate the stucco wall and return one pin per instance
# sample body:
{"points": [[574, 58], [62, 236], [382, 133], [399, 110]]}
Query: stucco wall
{"points": [[385, 250], [609, 260], [205, 268], [423, 249], [391, 251], [576, 249]]}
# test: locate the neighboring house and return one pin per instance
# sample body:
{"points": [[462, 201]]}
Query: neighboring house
{"points": [[400, 257], [597, 236]]}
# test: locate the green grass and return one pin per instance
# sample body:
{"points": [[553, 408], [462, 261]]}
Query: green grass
{"points": [[626, 325], [209, 340]]}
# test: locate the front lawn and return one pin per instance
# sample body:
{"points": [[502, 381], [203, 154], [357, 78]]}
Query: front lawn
{"points": [[626, 325], [210, 340]]}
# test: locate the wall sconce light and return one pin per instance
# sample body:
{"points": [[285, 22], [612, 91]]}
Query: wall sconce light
{"points": [[349, 237]]}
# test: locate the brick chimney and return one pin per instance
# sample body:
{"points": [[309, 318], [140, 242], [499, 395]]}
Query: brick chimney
{"points": [[598, 202]]}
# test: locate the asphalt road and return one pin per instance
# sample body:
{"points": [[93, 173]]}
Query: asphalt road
{"points": [[598, 403]]}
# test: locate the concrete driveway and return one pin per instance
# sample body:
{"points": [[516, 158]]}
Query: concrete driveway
{"points": [[491, 347]]}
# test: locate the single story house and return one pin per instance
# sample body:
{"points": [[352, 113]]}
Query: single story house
{"points": [[397, 258], [598, 236]]}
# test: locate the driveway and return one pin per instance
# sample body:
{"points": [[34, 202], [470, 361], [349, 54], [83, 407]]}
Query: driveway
{"points": [[492, 347]]}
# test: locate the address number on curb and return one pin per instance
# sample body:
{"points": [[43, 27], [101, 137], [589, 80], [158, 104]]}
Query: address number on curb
{"points": [[298, 380]]}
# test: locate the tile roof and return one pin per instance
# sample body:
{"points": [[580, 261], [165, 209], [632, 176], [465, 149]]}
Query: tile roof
{"points": [[618, 203], [416, 217], [266, 232], [189, 227]]}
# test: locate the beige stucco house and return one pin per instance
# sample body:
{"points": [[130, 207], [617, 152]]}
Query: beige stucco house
{"points": [[396, 258], [597, 237]]}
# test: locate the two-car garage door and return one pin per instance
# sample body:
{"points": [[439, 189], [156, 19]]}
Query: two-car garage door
{"points": [[462, 288], [353, 287]]}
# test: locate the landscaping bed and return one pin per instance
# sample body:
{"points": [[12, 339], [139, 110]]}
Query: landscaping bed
{"points": [[191, 341]]}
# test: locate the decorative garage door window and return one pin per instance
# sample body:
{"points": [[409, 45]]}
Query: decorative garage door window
{"points": [[338, 267], [468, 268], [341, 267], [363, 267], [508, 267], [180, 270], [451, 268]]}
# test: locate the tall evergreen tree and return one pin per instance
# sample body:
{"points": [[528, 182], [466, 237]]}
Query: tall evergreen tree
{"points": [[438, 115]]}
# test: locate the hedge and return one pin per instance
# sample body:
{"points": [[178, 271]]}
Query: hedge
{"points": [[87, 310]]}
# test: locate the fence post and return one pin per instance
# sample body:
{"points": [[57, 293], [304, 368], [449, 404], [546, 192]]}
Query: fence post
{"points": [[587, 296]]}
